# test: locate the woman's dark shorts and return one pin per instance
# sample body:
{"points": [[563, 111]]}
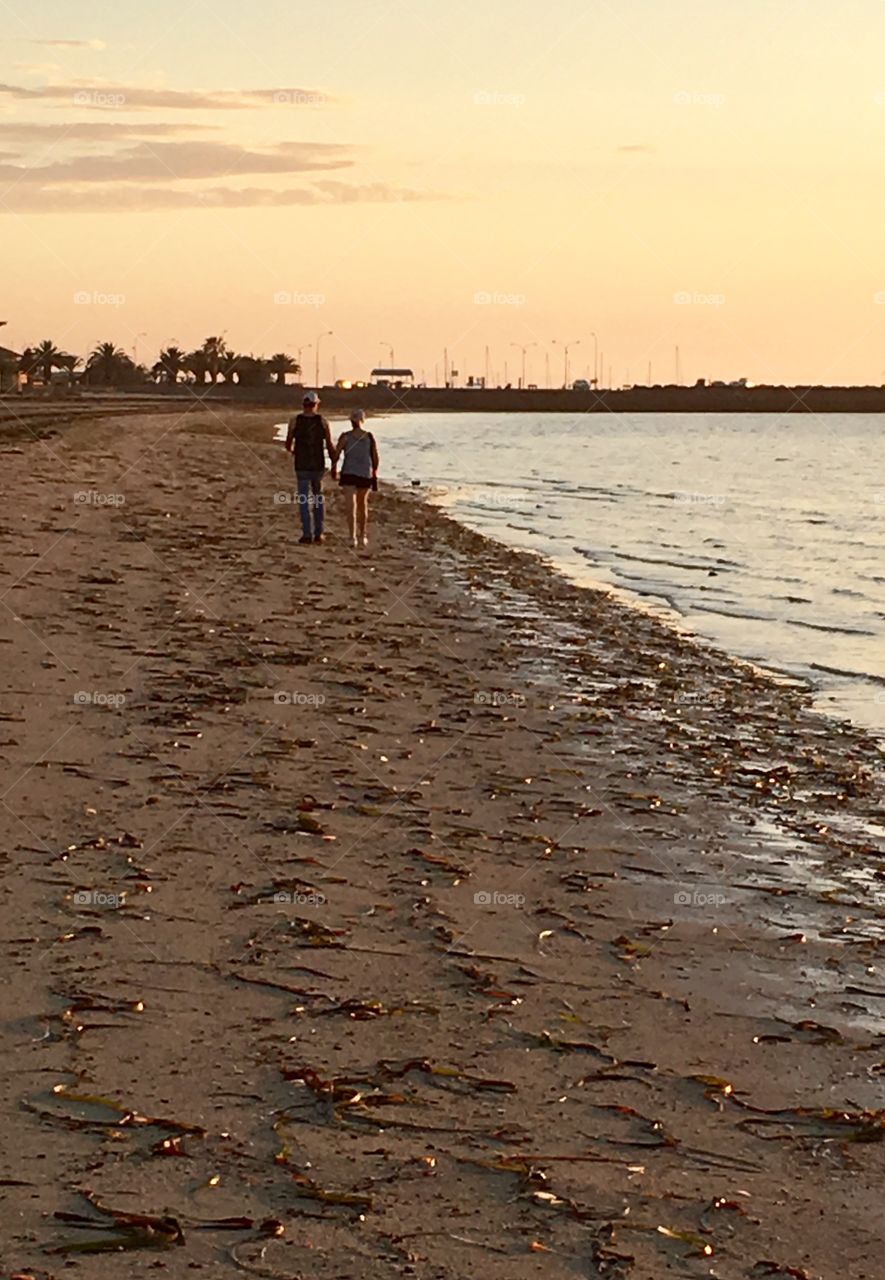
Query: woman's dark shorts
{"points": [[356, 482]]}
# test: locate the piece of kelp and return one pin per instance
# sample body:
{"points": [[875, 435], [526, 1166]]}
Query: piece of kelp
{"points": [[120, 1115], [366, 1010], [126, 1230], [446, 1077], [844, 1124], [307, 1189]]}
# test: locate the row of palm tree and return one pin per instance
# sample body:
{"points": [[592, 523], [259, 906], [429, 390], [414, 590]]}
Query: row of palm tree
{"points": [[214, 360], [109, 365]]}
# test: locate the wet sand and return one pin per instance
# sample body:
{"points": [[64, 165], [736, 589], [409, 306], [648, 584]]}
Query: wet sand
{"points": [[407, 914]]}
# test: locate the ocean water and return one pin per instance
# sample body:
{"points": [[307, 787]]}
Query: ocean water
{"points": [[762, 534]]}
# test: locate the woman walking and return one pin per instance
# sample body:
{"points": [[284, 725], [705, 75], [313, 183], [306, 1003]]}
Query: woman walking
{"points": [[357, 457]]}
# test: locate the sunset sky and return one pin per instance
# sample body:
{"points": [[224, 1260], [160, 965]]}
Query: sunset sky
{"points": [[429, 175]]}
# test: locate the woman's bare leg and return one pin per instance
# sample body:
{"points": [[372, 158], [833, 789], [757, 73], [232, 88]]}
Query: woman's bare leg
{"points": [[350, 500], [362, 516]]}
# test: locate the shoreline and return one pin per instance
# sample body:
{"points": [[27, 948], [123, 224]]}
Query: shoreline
{"points": [[779, 400], [663, 609], [620, 885]]}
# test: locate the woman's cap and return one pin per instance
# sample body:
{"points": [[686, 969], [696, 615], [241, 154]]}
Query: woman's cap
{"points": [[311, 398]]}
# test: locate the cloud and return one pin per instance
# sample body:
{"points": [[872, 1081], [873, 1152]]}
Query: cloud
{"points": [[134, 199], [637, 148], [93, 131], [72, 44], [170, 161], [96, 96]]}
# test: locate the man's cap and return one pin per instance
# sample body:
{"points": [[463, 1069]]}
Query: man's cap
{"points": [[311, 397]]}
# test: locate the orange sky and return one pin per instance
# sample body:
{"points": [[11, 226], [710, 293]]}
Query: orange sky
{"points": [[454, 177]]}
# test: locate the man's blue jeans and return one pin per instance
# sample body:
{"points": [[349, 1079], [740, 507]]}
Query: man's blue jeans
{"points": [[310, 502]]}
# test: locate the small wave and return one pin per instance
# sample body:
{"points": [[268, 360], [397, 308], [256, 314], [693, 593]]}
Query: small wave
{"points": [[820, 626], [704, 567], [728, 613], [850, 675]]}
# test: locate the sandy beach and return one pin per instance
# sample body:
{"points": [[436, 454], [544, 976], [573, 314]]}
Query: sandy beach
{"points": [[407, 914]]}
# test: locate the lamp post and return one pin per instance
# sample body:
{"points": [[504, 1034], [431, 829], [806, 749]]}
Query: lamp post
{"points": [[523, 348], [595, 361], [390, 349], [135, 347], [327, 333], [566, 346], [305, 346]]}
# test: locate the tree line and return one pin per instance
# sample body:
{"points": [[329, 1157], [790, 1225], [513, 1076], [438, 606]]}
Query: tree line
{"points": [[108, 365]]}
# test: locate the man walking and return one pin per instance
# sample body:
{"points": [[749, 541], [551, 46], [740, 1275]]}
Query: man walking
{"points": [[308, 438]]}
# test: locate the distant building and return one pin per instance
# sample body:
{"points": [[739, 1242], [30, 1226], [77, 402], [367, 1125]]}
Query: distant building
{"points": [[392, 377], [9, 369]]}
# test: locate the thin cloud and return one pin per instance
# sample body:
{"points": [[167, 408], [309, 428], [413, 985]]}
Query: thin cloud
{"points": [[136, 199], [170, 161], [97, 96], [94, 131], [637, 148], [97, 45]]}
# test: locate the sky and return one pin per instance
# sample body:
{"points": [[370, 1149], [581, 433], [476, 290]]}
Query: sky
{"points": [[435, 179]]}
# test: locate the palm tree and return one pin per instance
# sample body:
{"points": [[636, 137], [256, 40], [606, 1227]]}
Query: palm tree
{"points": [[109, 365], [281, 364], [214, 349], [197, 365], [69, 364], [46, 358], [251, 371], [172, 362]]}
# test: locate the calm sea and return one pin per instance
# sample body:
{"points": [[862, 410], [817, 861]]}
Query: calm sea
{"points": [[762, 534]]}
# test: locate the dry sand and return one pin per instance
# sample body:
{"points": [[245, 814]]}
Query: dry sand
{"points": [[575, 971]]}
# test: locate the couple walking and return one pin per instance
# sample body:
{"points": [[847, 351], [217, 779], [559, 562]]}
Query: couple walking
{"points": [[308, 439]]}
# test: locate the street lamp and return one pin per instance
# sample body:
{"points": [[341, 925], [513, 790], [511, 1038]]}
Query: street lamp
{"points": [[135, 347], [566, 346], [523, 348], [326, 334], [390, 349], [305, 346], [595, 361]]}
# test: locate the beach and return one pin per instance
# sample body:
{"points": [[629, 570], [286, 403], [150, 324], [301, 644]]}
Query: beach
{"points": [[412, 913]]}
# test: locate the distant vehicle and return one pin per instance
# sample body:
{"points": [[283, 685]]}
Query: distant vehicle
{"points": [[580, 384]]}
